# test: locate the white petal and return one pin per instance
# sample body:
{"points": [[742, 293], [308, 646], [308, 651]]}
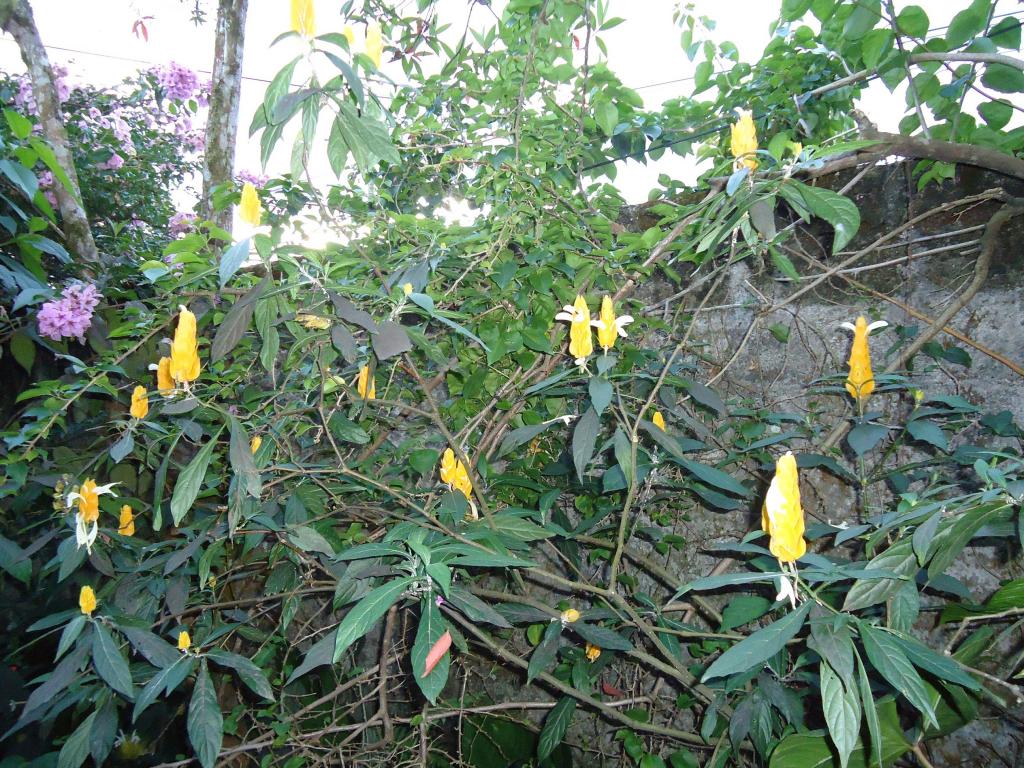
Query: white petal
{"points": [[599, 324], [73, 495], [623, 334], [564, 316], [848, 326], [877, 324], [624, 320], [106, 489], [153, 367], [786, 590]]}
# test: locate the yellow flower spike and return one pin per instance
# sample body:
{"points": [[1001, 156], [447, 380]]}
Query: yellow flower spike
{"points": [[593, 652], [126, 523], [365, 385], [164, 382], [303, 18], [89, 501], [453, 473], [184, 641], [658, 420], [255, 443], [140, 403], [87, 600], [313, 322], [609, 327], [581, 344], [782, 517], [861, 381], [88, 515], [918, 396], [744, 141], [570, 616], [184, 366], [249, 209], [350, 35], [374, 43], [407, 289]]}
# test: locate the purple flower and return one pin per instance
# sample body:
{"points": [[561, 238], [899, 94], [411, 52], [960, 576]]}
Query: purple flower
{"points": [[180, 223], [256, 179], [115, 162], [178, 83], [71, 314], [25, 98]]}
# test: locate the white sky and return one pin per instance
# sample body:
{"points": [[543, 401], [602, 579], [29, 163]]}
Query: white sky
{"points": [[95, 39]]}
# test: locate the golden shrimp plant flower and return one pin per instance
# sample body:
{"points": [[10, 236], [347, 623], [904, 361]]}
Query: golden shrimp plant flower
{"points": [[744, 141], [249, 209], [87, 601], [658, 420], [581, 344], [367, 387], [374, 43], [593, 652], [350, 35], [609, 327], [164, 382], [454, 475], [303, 18], [126, 522], [140, 403], [185, 367], [569, 616], [782, 517], [861, 381], [88, 515], [255, 443], [184, 641]]}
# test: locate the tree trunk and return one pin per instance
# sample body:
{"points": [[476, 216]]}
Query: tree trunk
{"points": [[222, 124], [16, 19]]}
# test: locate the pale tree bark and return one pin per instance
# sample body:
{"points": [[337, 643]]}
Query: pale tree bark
{"points": [[222, 124], [16, 19]]}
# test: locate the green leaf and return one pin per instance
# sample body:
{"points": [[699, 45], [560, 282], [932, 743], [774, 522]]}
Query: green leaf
{"points": [[76, 748], [190, 481], [967, 24], [1003, 78], [925, 658], [752, 651], [1006, 34], [277, 89], [834, 645], [205, 721], [584, 440], [996, 114], [20, 125], [601, 636], [888, 659], [231, 260], [898, 559], [23, 349], [866, 14], [842, 712], [863, 437], [955, 535], [713, 476], [320, 653], [867, 700], [71, 632], [913, 21], [837, 210], [928, 432], [475, 609], [164, 682], [606, 115], [241, 458], [546, 652], [367, 139], [367, 612], [14, 561], [235, 322], [430, 628], [248, 672], [555, 725], [794, 9], [519, 527], [743, 609], [110, 663]]}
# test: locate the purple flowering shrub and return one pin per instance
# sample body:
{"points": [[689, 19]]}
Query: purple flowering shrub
{"points": [[71, 315]]}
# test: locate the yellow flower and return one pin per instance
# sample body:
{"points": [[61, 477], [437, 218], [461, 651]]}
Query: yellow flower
{"points": [[658, 420], [365, 385], [350, 35], [609, 327], [744, 141], [918, 396], [87, 600], [313, 322], [782, 517], [126, 524], [407, 289], [249, 209], [303, 18], [88, 515], [88, 501], [184, 365], [255, 443], [581, 345], [164, 382], [374, 43], [861, 381], [453, 472], [184, 641], [569, 616], [140, 404], [593, 652]]}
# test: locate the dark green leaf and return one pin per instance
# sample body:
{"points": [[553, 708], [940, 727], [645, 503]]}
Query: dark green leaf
{"points": [[205, 721], [366, 613], [888, 659], [190, 481], [754, 650], [555, 726], [248, 672], [235, 322], [430, 628], [546, 652], [110, 663], [584, 440]]}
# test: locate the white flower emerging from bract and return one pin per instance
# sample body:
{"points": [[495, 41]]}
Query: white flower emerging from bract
{"points": [[86, 530], [786, 590]]}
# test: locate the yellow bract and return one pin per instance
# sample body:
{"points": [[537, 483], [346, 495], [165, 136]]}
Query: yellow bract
{"points": [[303, 18], [609, 327], [164, 382], [407, 289], [184, 641], [249, 209], [255, 443], [374, 43], [569, 616], [861, 382], [126, 523], [140, 404], [782, 517], [184, 366], [350, 35], [453, 473], [89, 502], [744, 141], [593, 652], [581, 345], [87, 600], [365, 385], [313, 322], [658, 420]]}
